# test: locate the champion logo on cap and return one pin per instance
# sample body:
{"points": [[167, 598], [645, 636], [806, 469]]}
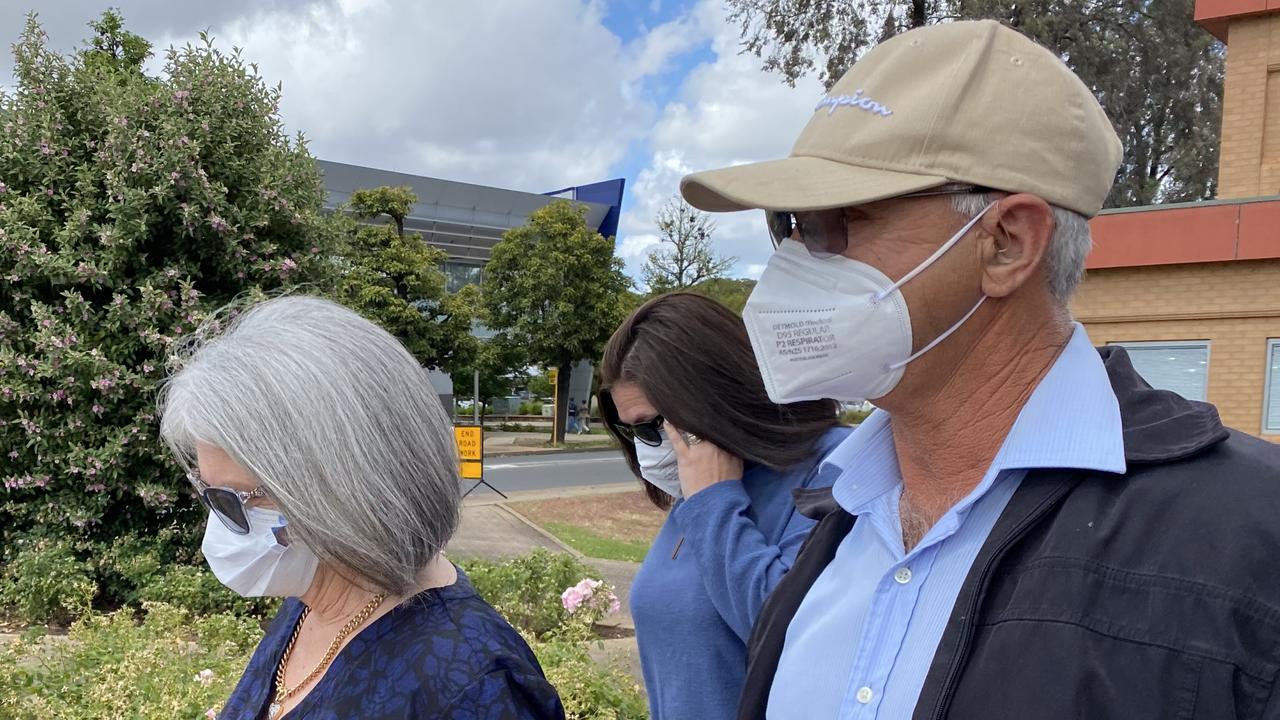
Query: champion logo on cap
{"points": [[831, 102]]}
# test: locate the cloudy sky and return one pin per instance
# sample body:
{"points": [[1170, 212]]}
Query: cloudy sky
{"points": [[532, 95]]}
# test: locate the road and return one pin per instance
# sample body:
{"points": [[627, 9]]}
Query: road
{"points": [[553, 470]]}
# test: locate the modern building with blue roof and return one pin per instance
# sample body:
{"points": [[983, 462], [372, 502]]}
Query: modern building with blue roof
{"points": [[466, 221]]}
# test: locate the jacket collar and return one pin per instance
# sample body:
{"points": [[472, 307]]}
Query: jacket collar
{"points": [[1158, 425]]}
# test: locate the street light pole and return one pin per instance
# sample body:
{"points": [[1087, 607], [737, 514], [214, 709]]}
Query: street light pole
{"points": [[475, 406]]}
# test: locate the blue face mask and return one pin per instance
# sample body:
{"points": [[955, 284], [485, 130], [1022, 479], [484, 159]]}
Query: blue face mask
{"points": [[658, 466]]}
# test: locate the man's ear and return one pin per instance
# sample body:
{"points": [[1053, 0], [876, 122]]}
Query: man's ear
{"points": [[1019, 229]]}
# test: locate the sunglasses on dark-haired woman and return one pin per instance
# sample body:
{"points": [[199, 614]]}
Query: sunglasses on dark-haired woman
{"points": [[648, 432]]}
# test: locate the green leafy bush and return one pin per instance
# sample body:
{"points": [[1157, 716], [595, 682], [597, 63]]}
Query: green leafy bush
{"points": [[527, 589], [172, 665], [176, 663], [44, 582], [130, 207], [589, 690], [854, 417], [197, 590]]}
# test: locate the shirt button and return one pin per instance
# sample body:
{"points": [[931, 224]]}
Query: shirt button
{"points": [[903, 576], [865, 694]]}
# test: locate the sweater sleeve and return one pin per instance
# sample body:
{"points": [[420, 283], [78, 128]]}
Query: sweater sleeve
{"points": [[739, 565], [505, 694]]}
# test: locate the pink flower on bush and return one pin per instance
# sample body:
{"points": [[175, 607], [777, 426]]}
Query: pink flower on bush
{"points": [[211, 714], [585, 595]]}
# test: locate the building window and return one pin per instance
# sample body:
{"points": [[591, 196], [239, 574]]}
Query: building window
{"points": [[459, 275], [1182, 367], [1271, 397]]}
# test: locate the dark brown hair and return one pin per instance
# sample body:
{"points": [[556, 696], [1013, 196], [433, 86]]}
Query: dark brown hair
{"points": [[692, 358]]}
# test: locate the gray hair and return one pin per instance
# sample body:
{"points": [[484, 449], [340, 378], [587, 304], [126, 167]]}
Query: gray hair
{"points": [[1064, 258], [337, 420]]}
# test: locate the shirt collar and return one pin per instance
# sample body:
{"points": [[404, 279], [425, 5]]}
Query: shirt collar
{"points": [[1071, 420]]}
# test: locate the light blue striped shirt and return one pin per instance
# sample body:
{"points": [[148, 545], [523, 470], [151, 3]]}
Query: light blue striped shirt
{"points": [[863, 639]]}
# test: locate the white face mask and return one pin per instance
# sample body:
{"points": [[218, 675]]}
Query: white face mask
{"points": [[658, 466], [834, 328], [257, 565]]}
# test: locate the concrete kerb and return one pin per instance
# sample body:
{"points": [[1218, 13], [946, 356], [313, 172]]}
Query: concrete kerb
{"points": [[546, 535], [488, 453], [516, 496]]}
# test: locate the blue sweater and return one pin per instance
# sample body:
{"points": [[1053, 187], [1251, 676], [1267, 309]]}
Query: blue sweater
{"points": [[701, 586]]}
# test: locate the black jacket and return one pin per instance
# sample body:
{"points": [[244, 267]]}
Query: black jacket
{"points": [[1153, 594]]}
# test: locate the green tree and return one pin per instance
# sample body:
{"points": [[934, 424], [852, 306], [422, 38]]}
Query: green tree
{"points": [[539, 384], [684, 256], [1156, 72], [394, 279], [130, 207], [501, 364], [730, 292], [554, 287]]}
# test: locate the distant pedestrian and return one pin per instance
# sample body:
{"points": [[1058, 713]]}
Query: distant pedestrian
{"points": [[573, 416]]}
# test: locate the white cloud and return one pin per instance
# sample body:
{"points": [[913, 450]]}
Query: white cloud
{"points": [[753, 271], [728, 112], [527, 94], [636, 247]]}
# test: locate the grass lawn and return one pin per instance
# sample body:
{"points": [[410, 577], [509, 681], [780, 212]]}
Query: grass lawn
{"points": [[616, 526]]}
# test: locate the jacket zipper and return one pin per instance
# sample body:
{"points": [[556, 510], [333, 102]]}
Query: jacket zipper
{"points": [[949, 686]]}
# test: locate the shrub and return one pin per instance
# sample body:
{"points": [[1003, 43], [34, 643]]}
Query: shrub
{"points": [[518, 427], [197, 590], [130, 207], [530, 407], [110, 666], [527, 590], [589, 690], [854, 417], [44, 582]]}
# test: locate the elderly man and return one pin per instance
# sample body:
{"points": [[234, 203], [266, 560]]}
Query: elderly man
{"points": [[1024, 528]]}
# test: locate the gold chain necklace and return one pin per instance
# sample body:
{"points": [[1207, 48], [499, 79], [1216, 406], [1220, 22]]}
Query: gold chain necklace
{"points": [[283, 693]]}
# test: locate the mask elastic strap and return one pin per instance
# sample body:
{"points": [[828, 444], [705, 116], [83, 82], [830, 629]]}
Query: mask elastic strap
{"points": [[941, 337], [932, 259]]}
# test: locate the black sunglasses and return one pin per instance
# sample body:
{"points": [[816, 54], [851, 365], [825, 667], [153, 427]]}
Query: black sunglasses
{"points": [[825, 233], [227, 504], [648, 432]]}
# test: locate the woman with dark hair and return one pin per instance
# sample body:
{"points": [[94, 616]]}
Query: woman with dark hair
{"points": [[682, 394]]}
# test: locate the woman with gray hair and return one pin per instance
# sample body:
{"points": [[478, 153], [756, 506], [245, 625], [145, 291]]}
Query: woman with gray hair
{"points": [[329, 470]]}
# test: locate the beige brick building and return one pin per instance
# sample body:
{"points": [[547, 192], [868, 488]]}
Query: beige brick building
{"points": [[1193, 290]]}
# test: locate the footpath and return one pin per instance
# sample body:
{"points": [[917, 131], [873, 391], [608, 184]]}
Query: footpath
{"points": [[498, 443], [491, 530]]}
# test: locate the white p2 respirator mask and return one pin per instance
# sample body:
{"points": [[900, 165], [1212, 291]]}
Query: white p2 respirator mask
{"points": [[834, 328], [258, 564], [658, 466]]}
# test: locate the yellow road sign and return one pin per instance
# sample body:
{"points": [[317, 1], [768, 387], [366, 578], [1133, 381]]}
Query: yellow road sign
{"points": [[470, 442], [472, 470]]}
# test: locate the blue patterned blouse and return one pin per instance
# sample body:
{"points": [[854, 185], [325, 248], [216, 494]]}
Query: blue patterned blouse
{"points": [[445, 653]]}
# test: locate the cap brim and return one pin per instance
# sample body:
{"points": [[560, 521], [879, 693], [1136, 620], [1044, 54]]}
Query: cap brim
{"points": [[798, 183]]}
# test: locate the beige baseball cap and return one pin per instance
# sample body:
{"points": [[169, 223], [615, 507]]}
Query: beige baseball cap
{"points": [[970, 102]]}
